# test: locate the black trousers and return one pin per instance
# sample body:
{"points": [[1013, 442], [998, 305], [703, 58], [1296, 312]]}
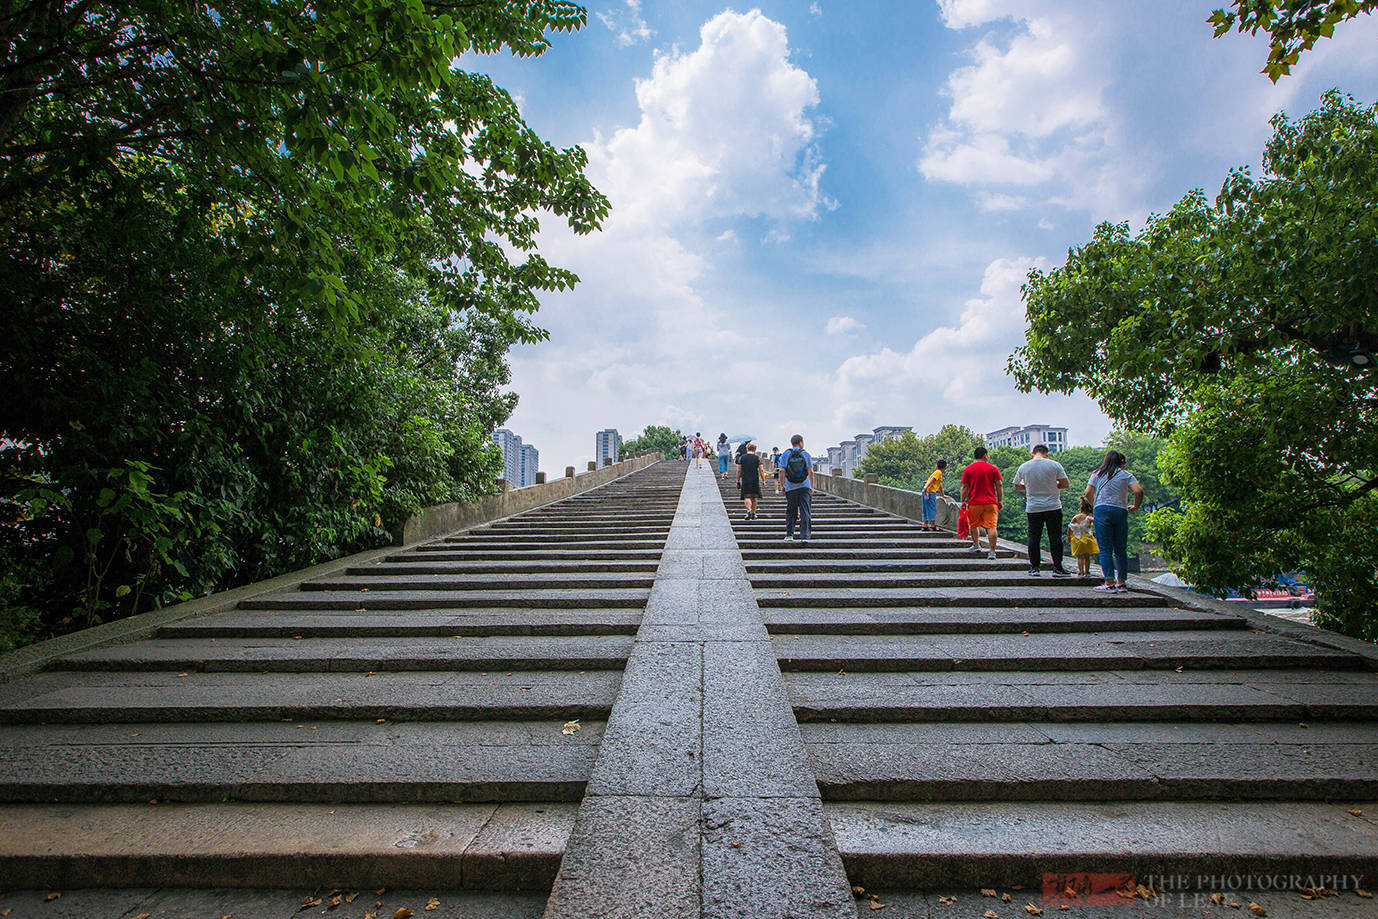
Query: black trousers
{"points": [[799, 505], [1053, 521]]}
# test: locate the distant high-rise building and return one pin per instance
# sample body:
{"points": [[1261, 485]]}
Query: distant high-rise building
{"points": [[1028, 436], [890, 432], [531, 464], [511, 446], [607, 444]]}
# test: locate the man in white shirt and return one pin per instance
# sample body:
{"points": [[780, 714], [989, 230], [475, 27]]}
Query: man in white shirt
{"points": [[1041, 479]]}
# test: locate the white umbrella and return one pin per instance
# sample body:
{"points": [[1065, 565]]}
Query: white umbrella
{"points": [[1169, 579]]}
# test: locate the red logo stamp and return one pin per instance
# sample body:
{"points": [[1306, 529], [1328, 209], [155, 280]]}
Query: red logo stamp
{"points": [[1087, 889]]}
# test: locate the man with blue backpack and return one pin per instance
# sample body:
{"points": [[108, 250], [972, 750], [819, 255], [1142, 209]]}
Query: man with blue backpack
{"points": [[797, 470]]}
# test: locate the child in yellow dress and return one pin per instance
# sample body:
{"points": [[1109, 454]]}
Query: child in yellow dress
{"points": [[1082, 539]]}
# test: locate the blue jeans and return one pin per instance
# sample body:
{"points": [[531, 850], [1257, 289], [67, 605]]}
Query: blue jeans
{"points": [[722, 464], [930, 506], [1112, 534]]}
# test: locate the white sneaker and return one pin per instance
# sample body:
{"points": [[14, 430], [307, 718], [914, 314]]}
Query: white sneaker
{"points": [[989, 555]]}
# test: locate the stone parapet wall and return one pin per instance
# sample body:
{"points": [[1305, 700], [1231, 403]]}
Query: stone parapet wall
{"points": [[897, 501], [447, 518]]}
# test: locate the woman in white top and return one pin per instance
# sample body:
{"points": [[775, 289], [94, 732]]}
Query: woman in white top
{"points": [[1109, 490]]}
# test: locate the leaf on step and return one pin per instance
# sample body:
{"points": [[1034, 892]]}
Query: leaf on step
{"points": [[1032, 910], [1218, 899], [875, 904], [859, 891], [52, 896], [571, 727], [990, 914], [432, 905], [1363, 893], [310, 901], [1148, 893], [1256, 909], [947, 899], [402, 913], [987, 892], [1355, 812], [1005, 897]]}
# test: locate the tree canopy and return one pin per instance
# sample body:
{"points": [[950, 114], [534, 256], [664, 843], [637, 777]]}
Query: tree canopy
{"points": [[263, 264], [1245, 329], [908, 460], [1293, 25], [655, 437]]}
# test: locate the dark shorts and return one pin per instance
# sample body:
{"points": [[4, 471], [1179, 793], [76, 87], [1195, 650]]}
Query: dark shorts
{"points": [[751, 488]]}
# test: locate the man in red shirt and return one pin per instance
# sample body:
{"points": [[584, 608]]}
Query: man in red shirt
{"points": [[983, 494]]}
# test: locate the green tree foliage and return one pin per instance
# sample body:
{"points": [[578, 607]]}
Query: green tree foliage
{"points": [[263, 263], [655, 437], [1244, 330], [1294, 25], [907, 461]]}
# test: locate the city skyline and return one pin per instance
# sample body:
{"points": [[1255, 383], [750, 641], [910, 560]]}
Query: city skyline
{"points": [[822, 214]]}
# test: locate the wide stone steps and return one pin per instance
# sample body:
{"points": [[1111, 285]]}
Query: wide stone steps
{"points": [[992, 592], [126, 697], [970, 725], [1121, 650], [394, 581], [996, 620], [336, 762], [1107, 695], [996, 575], [474, 621], [368, 599], [430, 720], [1126, 761], [1003, 844], [359, 654], [430, 846]]}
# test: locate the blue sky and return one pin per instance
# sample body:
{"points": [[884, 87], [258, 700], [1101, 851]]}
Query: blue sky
{"points": [[822, 212]]}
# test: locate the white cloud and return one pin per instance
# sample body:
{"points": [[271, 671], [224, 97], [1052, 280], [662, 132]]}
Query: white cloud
{"points": [[815, 9], [841, 325], [995, 202], [627, 23], [1029, 110], [726, 133], [956, 373]]}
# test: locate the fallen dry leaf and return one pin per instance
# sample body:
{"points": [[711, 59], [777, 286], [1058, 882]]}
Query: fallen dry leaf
{"points": [[987, 892], [1234, 904], [1004, 897], [380, 891], [432, 905], [7, 910], [373, 915], [947, 899], [990, 914], [1363, 893], [571, 727], [181, 674], [402, 913], [140, 916], [1218, 899], [1256, 909], [877, 905], [1146, 892], [859, 891], [1064, 906], [735, 845], [1355, 812], [1180, 669], [310, 901], [336, 900], [52, 896], [1024, 633], [381, 721], [1032, 910]]}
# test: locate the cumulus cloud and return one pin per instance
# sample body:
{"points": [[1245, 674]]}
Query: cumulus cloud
{"points": [[841, 325], [626, 23], [726, 132], [956, 373], [1029, 110]]}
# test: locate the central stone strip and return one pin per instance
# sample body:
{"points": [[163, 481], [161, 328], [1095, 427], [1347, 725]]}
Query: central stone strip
{"points": [[702, 802]]}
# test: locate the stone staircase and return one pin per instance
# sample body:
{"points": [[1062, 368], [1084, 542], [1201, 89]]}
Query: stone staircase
{"points": [[971, 726], [429, 720]]}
